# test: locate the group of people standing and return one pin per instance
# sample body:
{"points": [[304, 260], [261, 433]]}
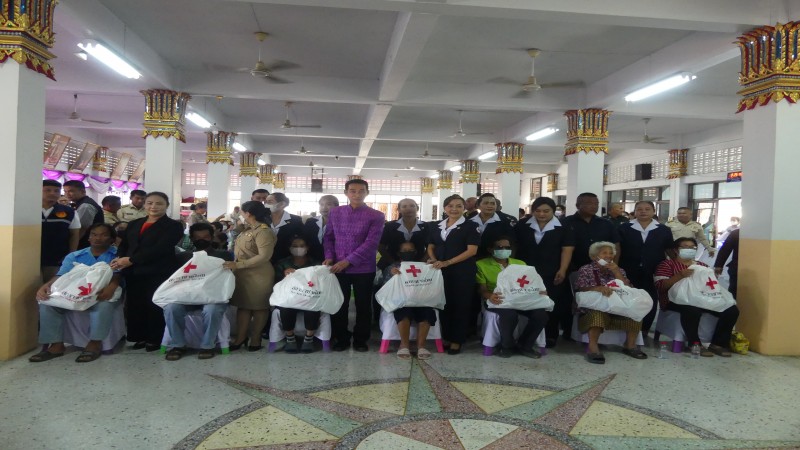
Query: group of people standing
{"points": [[470, 248]]}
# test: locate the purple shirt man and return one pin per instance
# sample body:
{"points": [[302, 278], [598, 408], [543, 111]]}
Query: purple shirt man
{"points": [[351, 246]]}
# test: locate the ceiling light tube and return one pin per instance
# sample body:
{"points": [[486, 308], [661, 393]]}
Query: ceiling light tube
{"points": [[261, 162], [544, 132], [455, 168], [110, 59], [488, 155], [434, 176], [239, 147], [660, 86], [198, 120]]}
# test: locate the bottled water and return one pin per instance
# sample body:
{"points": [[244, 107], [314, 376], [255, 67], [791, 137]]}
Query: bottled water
{"points": [[696, 350], [662, 350]]}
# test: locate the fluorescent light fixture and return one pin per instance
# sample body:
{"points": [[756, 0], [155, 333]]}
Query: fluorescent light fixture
{"points": [[198, 120], [434, 176], [488, 155], [455, 168], [544, 132], [110, 59], [239, 147], [261, 162], [659, 87]]}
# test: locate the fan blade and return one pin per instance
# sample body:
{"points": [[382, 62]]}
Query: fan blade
{"points": [[273, 79], [627, 142], [503, 80], [282, 65], [94, 121], [441, 156], [477, 134], [563, 85], [523, 94], [306, 126], [656, 141]]}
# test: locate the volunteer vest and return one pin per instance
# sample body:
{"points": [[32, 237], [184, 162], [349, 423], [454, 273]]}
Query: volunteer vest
{"points": [[55, 235], [98, 218]]}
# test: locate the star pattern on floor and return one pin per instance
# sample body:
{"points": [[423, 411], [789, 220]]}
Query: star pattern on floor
{"points": [[429, 411]]}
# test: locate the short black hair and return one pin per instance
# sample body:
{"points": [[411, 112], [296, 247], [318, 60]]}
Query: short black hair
{"points": [[110, 199], [483, 196], [217, 226], [280, 197], [201, 227], [260, 191], [51, 183], [138, 193], [111, 231], [356, 181], [543, 201], [686, 208], [676, 244], [454, 197], [75, 184]]}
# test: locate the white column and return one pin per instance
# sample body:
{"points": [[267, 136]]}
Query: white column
{"points": [[509, 191], [678, 195], [584, 174], [426, 203], [248, 184], [219, 159], [163, 173], [469, 190], [21, 131], [470, 175]]}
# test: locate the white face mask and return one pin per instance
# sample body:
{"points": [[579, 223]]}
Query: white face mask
{"points": [[687, 253], [559, 213], [602, 262], [298, 251], [502, 253]]}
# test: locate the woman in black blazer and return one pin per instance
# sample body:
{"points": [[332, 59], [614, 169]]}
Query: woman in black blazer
{"points": [[644, 243], [406, 229], [547, 246], [451, 247], [147, 256], [314, 228], [285, 226]]}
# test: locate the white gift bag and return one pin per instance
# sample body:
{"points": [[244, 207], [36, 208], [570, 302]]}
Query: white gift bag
{"points": [[309, 289], [77, 289], [201, 281], [702, 290], [624, 301], [417, 285], [521, 288]]}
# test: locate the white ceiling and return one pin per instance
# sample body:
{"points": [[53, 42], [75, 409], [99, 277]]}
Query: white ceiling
{"points": [[386, 78]]}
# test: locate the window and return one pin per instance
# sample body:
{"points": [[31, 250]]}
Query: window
{"points": [[235, 181], [194, 178], [730, 190], [715, 161], [703, 191]]}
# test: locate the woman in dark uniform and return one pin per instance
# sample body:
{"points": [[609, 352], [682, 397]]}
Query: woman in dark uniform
{"points": [[547, 246], [644, 244], [451, 247], [147, 255], [314, 228], [491, 223], [285, 226], [406, 229]]}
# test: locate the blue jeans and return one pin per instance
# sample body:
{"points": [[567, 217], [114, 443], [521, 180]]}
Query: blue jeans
{"points": [[175, 316], [51, 321]]}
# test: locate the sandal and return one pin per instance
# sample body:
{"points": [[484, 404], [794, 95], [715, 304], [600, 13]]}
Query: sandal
{"points": [[718, 350], [206, 353], [87, 356], [404, 353], [596, 358], [43, 356], [175, 353], [634, 353], [423, 354]]}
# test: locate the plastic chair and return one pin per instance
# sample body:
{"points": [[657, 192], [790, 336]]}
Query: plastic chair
{"points": [[490, 329], [194, 332], [669, 324], [277, 335], [391, 333], [76, 329]]}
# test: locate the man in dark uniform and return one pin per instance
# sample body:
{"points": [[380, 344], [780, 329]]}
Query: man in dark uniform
{"points": [[60, 230], [88, 211]]}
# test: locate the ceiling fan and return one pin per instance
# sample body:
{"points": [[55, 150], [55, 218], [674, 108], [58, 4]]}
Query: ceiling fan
{"points": [[646, 138], [75, 117], [261, 70], [428, 155], [532, 85], [460, 132], [287, 124]]}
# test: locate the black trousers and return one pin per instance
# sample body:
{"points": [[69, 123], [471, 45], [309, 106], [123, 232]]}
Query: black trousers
{"points": [[361, 283], [289, 318], [537, 318], [643, 280], [459, 287], [733, 285], [690, 321], [562, 311], [144, 319]]}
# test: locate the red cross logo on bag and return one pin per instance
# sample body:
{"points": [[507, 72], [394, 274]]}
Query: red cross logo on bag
{"points": [[711, 283], [310, 284], [612, 284], [523, 281], [85, 290], [413, 270], [189, 267]]}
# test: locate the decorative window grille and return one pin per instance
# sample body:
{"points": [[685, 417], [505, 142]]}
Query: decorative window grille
{"points": [[716, 161]]}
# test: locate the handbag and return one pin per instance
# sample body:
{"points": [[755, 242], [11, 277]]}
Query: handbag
{"points": [[312, 288], [201, 281], [739, 343], [418, 285]]}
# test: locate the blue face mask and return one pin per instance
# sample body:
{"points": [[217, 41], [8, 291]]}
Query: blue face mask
{"points": [[502, 253], [687, 253]]}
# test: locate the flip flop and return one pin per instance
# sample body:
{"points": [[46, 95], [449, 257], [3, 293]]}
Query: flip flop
{"points": [[404, 353], [175, 353], [423, 353], [43, 356], [87, 356]]}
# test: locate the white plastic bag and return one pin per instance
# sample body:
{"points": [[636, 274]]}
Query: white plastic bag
{"points": [[201, 281], [309, 289], [520, 287], [624, 301], [417, 285], [702, 290], [77, 289]]}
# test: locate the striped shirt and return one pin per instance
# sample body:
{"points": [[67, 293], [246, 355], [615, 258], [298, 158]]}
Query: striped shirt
{"points": [[664, 271]]}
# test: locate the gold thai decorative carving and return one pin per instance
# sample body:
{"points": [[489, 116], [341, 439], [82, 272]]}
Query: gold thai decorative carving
{"points": [[248, 164], [445, 179], [678, 162], [26, 33], [266, 174], [470, 171], [509, 157], [587, 131], [219, 147], [165, 113], [770, 65], [100, 160], [552, 182], [279, 181], [426, 185]]}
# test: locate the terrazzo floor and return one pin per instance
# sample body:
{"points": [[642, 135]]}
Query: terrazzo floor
{"points": [[137, 400]]}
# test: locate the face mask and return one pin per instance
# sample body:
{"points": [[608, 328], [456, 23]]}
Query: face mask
{"points": [[201, 244], [502, 253], [687, 253], [559, 213], [602, 262], [298, 251], [407, 256]]}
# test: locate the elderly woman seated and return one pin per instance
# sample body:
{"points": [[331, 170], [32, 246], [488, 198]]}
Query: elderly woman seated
{"points": [[593, 277], [673, 270]]}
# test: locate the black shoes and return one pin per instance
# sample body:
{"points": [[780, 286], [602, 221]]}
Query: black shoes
{"points": [[360, 347], [341, 346]]}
